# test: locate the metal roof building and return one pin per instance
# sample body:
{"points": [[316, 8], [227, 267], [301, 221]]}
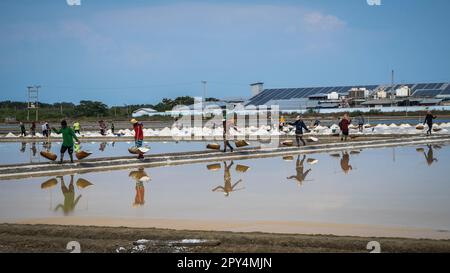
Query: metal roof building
{"points": [[429, 90]]}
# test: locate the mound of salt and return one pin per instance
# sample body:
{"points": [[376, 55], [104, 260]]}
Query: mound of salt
{"points": [[382, 126], [10, 135], [393, 125], [165, 132]]}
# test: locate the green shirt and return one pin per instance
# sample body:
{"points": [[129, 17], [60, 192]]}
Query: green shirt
{"points": [[68, 135]]}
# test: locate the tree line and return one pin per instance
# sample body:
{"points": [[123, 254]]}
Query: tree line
{"points": [[86, 108]]}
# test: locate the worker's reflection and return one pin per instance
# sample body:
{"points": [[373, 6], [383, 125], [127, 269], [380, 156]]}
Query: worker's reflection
{"points": [[345, 162], [70, 201], [102, 146], [429, 156], [47, 145], [33, 148], [228, 187], [23, 146], [299, 168], [139, 176]]}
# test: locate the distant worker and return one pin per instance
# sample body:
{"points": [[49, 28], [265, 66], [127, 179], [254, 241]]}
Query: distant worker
{"points": [[360, 120], [282, 123], [429, 121], [76, 127], [227, 125], [68, 136], [138, 135], [22, 130], [44, 129], [316, 123], [299, 126], [343, 125], [102, 126], [112, 127], [301, 175], [33, 129], [49, 131]]}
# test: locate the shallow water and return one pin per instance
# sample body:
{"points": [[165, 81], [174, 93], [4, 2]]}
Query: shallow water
{"points": [[404, 186]]}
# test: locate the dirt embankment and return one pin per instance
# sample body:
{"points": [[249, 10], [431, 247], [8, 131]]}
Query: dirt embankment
{"points": [[54, 238]]}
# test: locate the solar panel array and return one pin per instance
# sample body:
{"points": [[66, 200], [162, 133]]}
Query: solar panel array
{"points": [[417, 90]]}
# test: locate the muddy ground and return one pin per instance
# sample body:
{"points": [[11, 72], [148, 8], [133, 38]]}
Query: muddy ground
{"points": [[54, 238]]}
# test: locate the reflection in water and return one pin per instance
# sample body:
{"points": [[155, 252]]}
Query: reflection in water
{"points": [[33, 148], [228, 186], [70, 201], [23, 147], [345, 162], [102, 146], [140, 176], [47, 145], [299, 168], [429, 156]]}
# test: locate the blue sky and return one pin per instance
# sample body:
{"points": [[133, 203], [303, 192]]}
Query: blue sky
{"points": [[124, 52]]}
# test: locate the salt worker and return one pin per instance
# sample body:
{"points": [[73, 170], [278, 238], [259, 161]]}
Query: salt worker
{"points": [[429, 121], [22, 129], [138, 135], [281, 123], [360, 120], [227, 125], [68, 136], [343, 125], [299, 126], [76, 127]]}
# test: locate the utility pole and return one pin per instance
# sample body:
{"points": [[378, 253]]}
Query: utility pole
{"points": [[205, 89], [33, 100], [392, 83]]}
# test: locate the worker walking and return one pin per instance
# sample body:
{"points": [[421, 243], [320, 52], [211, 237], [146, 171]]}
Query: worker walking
{"points": [[33, 129], [299, 126], [343, 125], [138, 136], [227, 125], [22, 130], [429, 121], [68, 136], [76, 127], [360, 120]]}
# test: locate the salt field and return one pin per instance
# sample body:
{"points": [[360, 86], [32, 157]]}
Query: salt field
{"points": [[263, 130], [403, 187], [27, 152]]}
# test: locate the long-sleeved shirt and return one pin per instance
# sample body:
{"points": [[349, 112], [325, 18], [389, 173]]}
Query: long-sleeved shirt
{"points": [[343, 125], [360, 120], [299, 126], [138, 131], [68, 136], [429, 119]]}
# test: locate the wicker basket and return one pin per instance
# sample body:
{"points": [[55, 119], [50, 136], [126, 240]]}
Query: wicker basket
{"points": [[49, 155]]}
